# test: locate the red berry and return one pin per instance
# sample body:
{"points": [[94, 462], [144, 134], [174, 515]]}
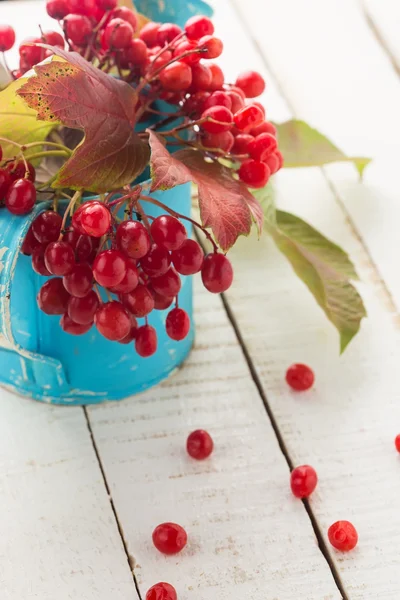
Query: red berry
{"points": [[139, 302], [160, 302], [81, 244], [169, 538], [217, 273], [303, 481], [59, 258], [78, 29], [300, 377], [177, 324], [20, 197], [129, 282], [146, 341], [248, 117], [168, 232], [31, 54], [280, 158], [82, 310], [47, 226], [79, 281], [94, 218], [118, 34], [107, 4], [211, 47], [167, 32], [126, 14], [133, 239], [251, 83], [149, 34], [7, 38], [57, 9], [18, 170], [53, 298], [176, 77], [5, 182], [343, 536], [264, 127], [187, 46], [132, 334], [241, 143], [199, 444], [168, 284], [112, 321], [82, 7], [273, 163], [397, 442], [237, 102], [109, 268], [156, 262], [218, 77], [53, 38], [221, 143], [197, 27], [162, 591], [38, 264], [254, 173], [135, 54], [69, 326], [262, 146], [201, 78], [218, 99], [188, 259], [194, 105], [30, 243], [218, 113]]}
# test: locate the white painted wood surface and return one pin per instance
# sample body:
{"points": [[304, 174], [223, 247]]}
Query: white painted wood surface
{"points": [[249, 538]]}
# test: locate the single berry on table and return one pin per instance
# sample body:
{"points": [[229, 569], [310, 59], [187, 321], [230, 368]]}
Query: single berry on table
{"points": [[217, 273], [169, 538], [343, 536], [162, 591], [303, 481], [146, 341], [300, 377], [199, 444], [82, 310]]}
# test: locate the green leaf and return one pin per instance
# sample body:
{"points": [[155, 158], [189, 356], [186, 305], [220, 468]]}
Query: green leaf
{"points": [[325, 269], [303, 146], [266, 198]]}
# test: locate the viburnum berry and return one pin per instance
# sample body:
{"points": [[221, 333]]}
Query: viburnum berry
{"points": [[221, 143], [5, 182], [17, 170], [53, 298], [139, 302], [156, 262], [38, 264], [254, 173], [217, 113], [107, 4], [53, 38], [237, 102], [187, 46], [199, 444], [133, 239], [82, 245], [47, 226], [109, 268], [94, 218], [343, 536], [160, 302], [132, 334], [69, 326], [168, 232], [217, 273], [211, 47], [135, 54], [82, 310], [189, 258], [112, 321], [397, 442], [149, 34], [264, 127], [194, 104], [168, 284], [248, 117], [57, 9], [177, 324], [129, 282], [20, 197], [118, 34], [167, 32], [169, 538], [198, 26], [176, 77], [82, 7], [218, 77], [241, 143], [30, 243], [59, 258], [300, 377], [126, 14], [279, 156], [162, 591], [30, 53], [218, 99], [252, 83], [201, 78], [79, 281], [146, 341], [303, 481], [78, 29], [272, 162], [7, 38], [262, 146]]}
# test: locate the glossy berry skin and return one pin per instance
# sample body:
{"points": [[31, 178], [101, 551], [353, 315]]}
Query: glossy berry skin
{"points": [[109, 268], [211, 46], [107, 4], [254, 173], [139, 302], [397, 442], [38, 264], [30, 243], [5, 182], [126, 14], [17, 170], [197, 27], [81, 244], [118, 34], [264, 127], [132, 334], [112, 321], [262, 146], [273, 163], [69, 326], [135, 54], [79, 281], [241, 143], [168, 232], [149, 34], [303, 481], [160, 302], [82, 7], [47, 226], [217, 273], [251, 83], [167, 32], [343, 536], [248, 117], [218, 77], [221, 143], [189, 258], [156, 262], [162, 591], [176, 77], [133, 239], [177, 324], [218, 99], [169, 538], [78, 29], [57, 9], [146, 341], [53, 298], [237, 102], [218, 113], [82, 310], [59, 258], [199, 444], [7, 38], [20, 197], [168, 284], [129, 282], [31, 54], [201, 78], [300, 377], [94, 218], [187, 46]]}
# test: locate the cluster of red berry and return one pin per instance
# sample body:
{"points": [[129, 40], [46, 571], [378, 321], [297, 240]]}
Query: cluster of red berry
{"points": [[17, 190]]}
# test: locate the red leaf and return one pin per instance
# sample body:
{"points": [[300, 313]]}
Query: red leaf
{"points": [[80, 96], [226, 205]]}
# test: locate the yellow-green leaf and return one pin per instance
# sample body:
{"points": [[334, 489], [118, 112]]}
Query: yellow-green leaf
{"points": [[303, 146]]}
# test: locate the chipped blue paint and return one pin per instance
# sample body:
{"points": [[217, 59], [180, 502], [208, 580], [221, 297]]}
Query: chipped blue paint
{"points": [[54, 367], [173, 11]]}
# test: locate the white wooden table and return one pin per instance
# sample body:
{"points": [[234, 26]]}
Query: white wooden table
{"points": [[82, 489]]}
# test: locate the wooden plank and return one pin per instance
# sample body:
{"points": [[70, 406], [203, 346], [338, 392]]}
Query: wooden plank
{"points": [[59, 537]]}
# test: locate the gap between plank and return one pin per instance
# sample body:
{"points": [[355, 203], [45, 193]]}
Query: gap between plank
{"points": [[129, 559], [380, 38]]}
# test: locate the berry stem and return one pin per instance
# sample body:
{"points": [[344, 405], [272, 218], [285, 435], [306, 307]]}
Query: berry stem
{"points": [[49, 153], [69, 208], [50, 144]]}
